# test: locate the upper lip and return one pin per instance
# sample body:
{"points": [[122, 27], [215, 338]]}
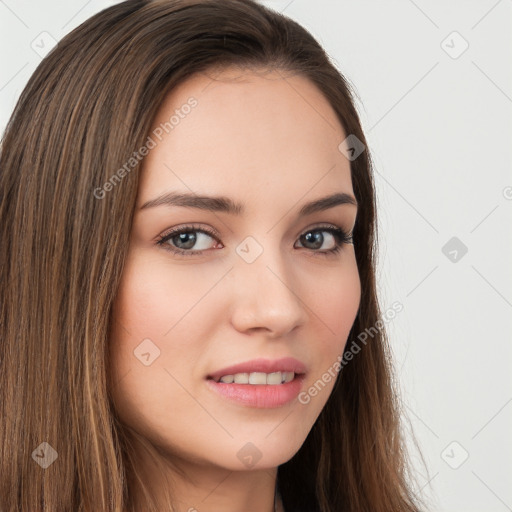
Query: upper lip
{"points": [[286, 364]]}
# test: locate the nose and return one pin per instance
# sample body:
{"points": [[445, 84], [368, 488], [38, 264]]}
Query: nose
{"points": [[265, 296]]}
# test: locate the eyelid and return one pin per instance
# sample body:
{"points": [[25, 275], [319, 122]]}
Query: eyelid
{"points": [[190, 227]]}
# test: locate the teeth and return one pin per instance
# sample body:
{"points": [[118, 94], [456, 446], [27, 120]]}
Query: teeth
{"points": [[258, 378]]}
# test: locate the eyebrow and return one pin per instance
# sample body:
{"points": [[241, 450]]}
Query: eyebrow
{"points": [[226, 205]]}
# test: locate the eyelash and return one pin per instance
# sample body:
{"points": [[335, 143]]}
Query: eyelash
{"points": [[340, 235]]}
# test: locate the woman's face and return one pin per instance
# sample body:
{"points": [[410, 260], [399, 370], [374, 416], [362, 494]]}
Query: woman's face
{"points": [[258, 285]]}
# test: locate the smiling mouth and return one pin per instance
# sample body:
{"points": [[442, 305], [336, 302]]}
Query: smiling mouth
{"points": [[257, 378]]}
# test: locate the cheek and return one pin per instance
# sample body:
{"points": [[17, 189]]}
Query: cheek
{"points": [[154, 339], [168, 304], [334, 309], [333, 298], [341, 300], [155, 299]]}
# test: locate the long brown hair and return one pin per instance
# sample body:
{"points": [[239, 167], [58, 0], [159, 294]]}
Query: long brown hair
{"points": [[88, 106]]}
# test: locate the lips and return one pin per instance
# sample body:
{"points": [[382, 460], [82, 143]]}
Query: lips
{"points": [[285, 364]]}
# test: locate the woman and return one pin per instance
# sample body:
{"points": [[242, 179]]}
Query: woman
{"points": [[187, 246]]}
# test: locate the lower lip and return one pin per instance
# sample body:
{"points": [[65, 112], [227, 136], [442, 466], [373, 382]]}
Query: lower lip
{"points": [[263, 396]]}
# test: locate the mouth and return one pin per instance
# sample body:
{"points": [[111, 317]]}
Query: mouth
{"points": [[260, 383], [262, 396], [258, 378], [260, 372]]}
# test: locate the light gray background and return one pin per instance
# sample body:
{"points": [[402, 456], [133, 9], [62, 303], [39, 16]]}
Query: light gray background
{"points": [[439, 127]]}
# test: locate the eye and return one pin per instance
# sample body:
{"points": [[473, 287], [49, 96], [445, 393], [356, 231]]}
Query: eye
{"points": [[336, 238], [182, 240]]}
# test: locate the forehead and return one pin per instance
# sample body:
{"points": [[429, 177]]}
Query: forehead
{"points": [[243, 133]]}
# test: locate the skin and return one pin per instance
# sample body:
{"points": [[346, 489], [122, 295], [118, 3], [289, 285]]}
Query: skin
{"points": [[270, 141]]}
